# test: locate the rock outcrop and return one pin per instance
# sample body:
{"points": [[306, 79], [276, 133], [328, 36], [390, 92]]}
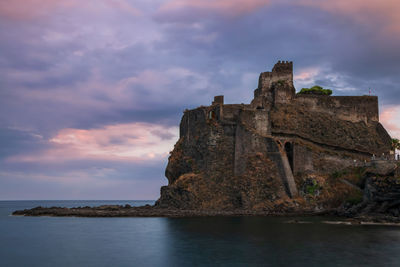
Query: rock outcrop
{"points": [[380, 198]]}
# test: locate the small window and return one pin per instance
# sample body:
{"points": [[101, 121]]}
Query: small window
{"points": [[211, 115]]}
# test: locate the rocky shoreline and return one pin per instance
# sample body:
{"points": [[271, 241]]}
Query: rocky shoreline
{"points": [[147, 211], [153, 211]]}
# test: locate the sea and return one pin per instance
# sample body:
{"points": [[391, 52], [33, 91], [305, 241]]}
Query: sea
{"points": [[195, 241]]}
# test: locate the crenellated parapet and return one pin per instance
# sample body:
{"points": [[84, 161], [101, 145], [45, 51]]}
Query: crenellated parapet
{"points": [[282, 67]]}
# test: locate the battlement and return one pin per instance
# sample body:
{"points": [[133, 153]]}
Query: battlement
{"points": [[285, 67]]}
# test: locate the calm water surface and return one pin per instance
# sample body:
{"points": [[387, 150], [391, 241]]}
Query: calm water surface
{"points": [[240, 241]]}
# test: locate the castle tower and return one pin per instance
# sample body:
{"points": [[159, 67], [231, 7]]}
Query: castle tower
{"points": [[275, 86], [282, 71]]}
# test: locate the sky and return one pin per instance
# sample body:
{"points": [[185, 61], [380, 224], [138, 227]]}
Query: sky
{"points": [[92, 92]]}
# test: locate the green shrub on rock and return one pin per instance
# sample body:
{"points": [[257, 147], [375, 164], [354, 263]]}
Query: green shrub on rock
{"points": [[311, 187], [315, 90]]}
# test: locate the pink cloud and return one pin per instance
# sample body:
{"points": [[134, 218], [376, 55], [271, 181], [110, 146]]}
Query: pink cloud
{"points": [[123, 5], [120, 142], [377, 12], [390, 118], [30, 9], [306, 74], [225, 7], [26, 9]]}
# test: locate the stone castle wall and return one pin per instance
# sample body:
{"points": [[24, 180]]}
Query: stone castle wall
{"points": [[247, 155], [351, 108]]}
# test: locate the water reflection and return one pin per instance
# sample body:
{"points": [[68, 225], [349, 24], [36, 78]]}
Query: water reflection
{"points": [[216, 241], [272, 241]]}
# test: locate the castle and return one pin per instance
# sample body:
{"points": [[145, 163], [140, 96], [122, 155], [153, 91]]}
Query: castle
{"points": [[233, 156]]}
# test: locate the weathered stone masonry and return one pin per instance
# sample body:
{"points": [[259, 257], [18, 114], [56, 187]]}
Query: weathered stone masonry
{"points": [[279, 135]]}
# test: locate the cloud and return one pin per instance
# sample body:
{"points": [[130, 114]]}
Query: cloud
{"points": [[228, 7], [27, 9], [190, 10], [144, 90], [390, 118], [136, 142], [33, 9], [89, 183], [14, 141], [137, 97], [123, 5], [306, 76], [324, 76], [381, 13]]}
